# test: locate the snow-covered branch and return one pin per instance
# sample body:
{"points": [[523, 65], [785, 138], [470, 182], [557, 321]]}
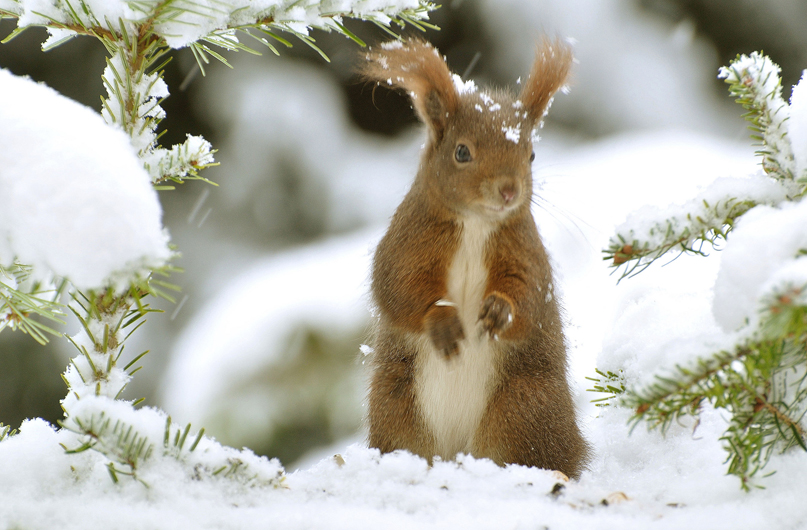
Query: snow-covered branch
{"points": [[139, 442], [76, 201], [758, 375], [182, 23], [21, 296], [754, 81], [649, 233]]}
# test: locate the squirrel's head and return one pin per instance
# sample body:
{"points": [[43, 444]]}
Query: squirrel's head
{"points": [[479, 151]]}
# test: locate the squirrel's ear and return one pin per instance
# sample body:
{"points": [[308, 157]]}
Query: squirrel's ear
{"points": [[553, 61], [417, 67]]}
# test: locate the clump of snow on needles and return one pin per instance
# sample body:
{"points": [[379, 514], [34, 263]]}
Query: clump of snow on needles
{"points": [[753, 266], [76, 201]]}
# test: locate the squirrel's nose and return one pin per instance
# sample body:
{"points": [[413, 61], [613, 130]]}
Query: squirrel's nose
{"points": [[508, 192]]}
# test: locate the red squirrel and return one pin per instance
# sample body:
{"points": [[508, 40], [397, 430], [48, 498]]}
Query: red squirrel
{"points": [[468, 353]]}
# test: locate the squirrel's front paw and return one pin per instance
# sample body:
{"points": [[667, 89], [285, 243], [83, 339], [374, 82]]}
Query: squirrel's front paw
{"points": [[445, 329], [496, 314]]}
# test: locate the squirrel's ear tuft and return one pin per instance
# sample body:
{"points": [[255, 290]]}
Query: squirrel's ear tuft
{"points": [[415, 66], [553, 61]]}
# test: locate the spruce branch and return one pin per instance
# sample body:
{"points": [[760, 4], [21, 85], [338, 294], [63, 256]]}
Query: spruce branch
{"points": [[107, 320], [131, 441], [117, 440], [754, 82], [6, 432], [21, 298], [182, 162], [650, 233], [762, 384], [608, 382], [164, 22]]}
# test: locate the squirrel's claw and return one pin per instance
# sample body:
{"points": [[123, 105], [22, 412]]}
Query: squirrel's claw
{"points": [[445, 329], [496, 315]]}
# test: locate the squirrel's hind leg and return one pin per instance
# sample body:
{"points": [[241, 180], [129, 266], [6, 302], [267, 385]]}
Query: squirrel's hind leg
{"points": [[530, 420], [394, 419]]}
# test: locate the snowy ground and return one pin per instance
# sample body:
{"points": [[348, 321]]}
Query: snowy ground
{"points": [[675, 484]]}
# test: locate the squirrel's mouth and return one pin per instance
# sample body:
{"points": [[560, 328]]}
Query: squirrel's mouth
{"points": [[500, 210]]}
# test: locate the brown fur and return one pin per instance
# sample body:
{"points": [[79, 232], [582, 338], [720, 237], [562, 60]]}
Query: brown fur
{"points": [[528, 417]]}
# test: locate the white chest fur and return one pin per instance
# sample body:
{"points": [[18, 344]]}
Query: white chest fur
{"points": [[453, 393]]}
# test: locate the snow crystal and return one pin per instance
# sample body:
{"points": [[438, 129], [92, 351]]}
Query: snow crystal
{"points": [[55, 35], [478, 107], [512, 133], [76, 200], [797, 125], [392, 45], [166, 461], [463, 87]]}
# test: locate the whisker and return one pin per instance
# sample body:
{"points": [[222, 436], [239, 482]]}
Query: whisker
{"points": [[568, 214], [556, 214], [536, 170], [563, 217], [539, 186]]}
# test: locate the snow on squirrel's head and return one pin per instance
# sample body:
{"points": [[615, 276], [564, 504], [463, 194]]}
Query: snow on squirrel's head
{"points": [[474, 135]]}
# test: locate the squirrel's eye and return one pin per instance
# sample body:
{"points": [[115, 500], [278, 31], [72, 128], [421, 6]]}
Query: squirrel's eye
{"points": [[532, 156], [462, 153]]}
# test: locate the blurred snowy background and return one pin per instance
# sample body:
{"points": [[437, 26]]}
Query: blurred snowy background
{"points": [[262, 348]]}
